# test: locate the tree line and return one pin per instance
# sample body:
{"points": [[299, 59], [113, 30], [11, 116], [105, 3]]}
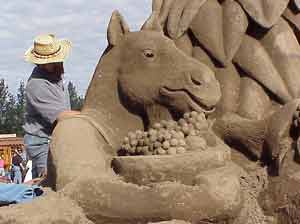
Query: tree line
{"points": [[12, 107]]}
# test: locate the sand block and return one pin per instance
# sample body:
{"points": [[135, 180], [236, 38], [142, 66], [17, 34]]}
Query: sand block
{"points": [[202, 56], [207, 26], [190, 11], [292, 17], [230, 87], [184, 43], [264, 12], [164, 11], [257, 63], [234, 27], [279, 126], [254, 102], [284, 50], [223, 35], [51, 209], [174, 17]]}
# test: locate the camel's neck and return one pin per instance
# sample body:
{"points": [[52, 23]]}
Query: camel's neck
{"points": [[102, 101]]}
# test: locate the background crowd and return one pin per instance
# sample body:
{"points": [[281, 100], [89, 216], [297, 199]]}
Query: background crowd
{"points": [[16, 171]]}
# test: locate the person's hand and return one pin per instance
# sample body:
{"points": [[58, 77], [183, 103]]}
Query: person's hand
{"points": [[39, 180], [43, 173], [35, 181]]}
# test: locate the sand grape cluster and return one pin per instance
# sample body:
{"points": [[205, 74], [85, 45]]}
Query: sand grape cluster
{"points": [[167, 137]]}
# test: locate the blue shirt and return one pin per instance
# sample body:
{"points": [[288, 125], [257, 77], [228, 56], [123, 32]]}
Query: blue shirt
{"points": [[45, 99]]}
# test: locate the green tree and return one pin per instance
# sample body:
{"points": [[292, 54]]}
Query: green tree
{"points": [[10, 125], [3, 104], [7, 110], [20, 109], [76, 100], [12, 110]]}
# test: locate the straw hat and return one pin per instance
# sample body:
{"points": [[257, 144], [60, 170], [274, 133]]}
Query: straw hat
{"points": [[47, 49]]}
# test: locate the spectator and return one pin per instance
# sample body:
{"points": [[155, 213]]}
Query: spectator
{"points": [[17, 168], [8, 174], [22, 153], [2, 163], [17, 174], [47, 100]]}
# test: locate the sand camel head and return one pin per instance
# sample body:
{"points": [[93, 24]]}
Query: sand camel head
{"points": [[152, 70]]}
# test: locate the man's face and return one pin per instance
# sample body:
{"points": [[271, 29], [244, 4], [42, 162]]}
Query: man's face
{"points": [[55, 69]]}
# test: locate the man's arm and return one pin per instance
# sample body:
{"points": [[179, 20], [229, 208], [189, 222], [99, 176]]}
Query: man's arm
{"points": [[49, 103]]}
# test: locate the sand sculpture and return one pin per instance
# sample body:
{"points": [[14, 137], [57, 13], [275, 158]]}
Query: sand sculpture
{"points": [[234, 60]]}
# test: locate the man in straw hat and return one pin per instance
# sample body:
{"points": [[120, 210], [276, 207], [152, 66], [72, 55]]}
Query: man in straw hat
{"points": [[46, 98]]}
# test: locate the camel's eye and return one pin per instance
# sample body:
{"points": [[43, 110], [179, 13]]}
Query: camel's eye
{"points": [[148, 53]]}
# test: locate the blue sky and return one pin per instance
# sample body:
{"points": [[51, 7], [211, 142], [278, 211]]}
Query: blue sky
{"points": [[81, 21]]}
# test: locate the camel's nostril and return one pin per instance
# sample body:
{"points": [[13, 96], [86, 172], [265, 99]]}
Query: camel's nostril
{"points": [[196, 82]]}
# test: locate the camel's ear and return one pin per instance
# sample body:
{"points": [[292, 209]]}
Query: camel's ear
{"points": [[116, 29], [152, 23]]}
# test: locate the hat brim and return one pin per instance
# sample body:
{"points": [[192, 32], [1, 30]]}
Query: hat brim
{"points": [[65, 47]]}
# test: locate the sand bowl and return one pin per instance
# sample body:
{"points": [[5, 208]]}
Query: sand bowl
{"points": [[143, 170]]}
